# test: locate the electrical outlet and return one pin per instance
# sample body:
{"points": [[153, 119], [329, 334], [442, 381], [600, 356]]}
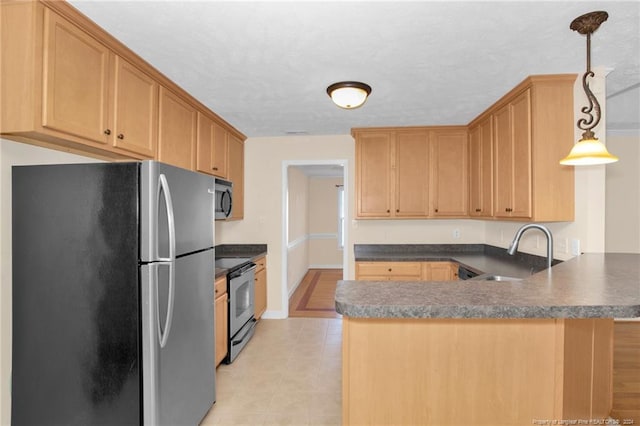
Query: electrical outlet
{"points": [[575, 247], [456, 233], [561, 245]]}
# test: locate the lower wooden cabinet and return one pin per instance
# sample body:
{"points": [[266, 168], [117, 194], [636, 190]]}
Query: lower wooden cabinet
{"points": [[260, 303], [439, 271], [406, 271], [221, 319]]}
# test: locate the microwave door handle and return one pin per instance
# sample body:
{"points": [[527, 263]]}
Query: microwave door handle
{"points": [[228, 194]]}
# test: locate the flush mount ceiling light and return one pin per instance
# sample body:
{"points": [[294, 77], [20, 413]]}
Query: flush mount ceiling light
{"points": [[349, 94], [589, 150]]}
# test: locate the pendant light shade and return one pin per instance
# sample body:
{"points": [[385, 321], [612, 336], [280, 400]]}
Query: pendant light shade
{"points": [[349, 94], [589, 150]]}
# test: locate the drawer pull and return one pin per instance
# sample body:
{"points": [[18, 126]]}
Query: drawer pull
{"points": [[107, 132], [120, 136]]}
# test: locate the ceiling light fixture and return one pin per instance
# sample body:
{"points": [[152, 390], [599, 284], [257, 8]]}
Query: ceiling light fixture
{"points": [[589, 150], [349, 94]]}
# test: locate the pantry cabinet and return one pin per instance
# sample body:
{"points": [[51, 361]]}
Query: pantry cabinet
{"points": [[481, 169], [260, 300], [221, 321]]}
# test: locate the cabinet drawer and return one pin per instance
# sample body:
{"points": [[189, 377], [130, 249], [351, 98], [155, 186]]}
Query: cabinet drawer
{"points": [[389, 269], [220, 287]]}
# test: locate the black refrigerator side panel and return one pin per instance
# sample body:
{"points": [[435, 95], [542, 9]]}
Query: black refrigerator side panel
{"points": [[75, 295]]}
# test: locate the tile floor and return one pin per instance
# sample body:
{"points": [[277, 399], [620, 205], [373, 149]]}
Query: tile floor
{"points": [[289, 374]]}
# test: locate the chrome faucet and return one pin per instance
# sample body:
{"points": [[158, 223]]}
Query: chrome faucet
{"points": [[516, 240]]}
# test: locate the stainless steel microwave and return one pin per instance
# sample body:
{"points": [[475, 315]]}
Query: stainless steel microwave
{"points": [[224, 199]]}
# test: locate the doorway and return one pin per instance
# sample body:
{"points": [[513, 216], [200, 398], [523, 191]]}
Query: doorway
{"points": [[315, 218]]}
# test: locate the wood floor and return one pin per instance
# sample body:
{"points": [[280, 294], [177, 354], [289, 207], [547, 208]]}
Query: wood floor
{"points": [[314, 297], [626, 372]]}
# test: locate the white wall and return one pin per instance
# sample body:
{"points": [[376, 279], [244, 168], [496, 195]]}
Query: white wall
{"points": [[622, 233], [298, 228], [323, 223], [264, 193], [13, 153]]}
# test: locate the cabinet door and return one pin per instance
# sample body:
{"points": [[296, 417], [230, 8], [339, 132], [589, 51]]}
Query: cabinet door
{"points": [[260, 304], [439, 271], [503, 182], [521, 116], [236, 175], [373, 174], [411, 174], [177, 136], [512, 141], [135, 120], [221, 326], [76, 81], [449, 179], [481, 170], [211, 147]]}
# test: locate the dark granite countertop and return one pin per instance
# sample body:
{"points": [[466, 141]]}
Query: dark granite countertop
{"points": [[250, 251], [587, 286]]}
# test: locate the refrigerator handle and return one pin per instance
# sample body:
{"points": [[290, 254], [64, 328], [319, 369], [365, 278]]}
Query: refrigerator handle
{"points": [[163, 333]]}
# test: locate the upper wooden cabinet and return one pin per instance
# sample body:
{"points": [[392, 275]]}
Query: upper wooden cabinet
{"points": [[374, 181], [177, 136], [67, 84], [513, 158], [449, 171], [411, 172], [533, 129], [411, 169], [236, 175], [135, 100], [76, 81], [481, 169], [212, 147]]}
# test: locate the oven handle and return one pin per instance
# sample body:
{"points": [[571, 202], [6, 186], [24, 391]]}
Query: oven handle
{"points": [[243, 270], [253, 325]]}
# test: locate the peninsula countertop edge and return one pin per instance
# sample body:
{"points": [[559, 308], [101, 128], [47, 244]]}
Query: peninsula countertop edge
{"points": [[588, 286]]}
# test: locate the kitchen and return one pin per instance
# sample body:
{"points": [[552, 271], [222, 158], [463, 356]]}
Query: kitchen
{"points": [[264, 157]]}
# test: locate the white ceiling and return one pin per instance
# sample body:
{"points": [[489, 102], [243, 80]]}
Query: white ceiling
{"points": [[264, 66]]}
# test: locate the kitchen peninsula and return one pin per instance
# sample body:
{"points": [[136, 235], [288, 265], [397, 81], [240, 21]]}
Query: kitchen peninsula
{"points": [[486, 352]]}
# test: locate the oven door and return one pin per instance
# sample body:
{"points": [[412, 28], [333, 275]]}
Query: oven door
{"points": [[241, 296]]}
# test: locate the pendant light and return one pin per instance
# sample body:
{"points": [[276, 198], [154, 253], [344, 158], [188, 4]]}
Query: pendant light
{"points": [[349, 94], [589, 150]]}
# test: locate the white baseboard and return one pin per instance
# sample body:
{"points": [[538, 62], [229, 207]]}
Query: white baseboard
{"points": [[336, 266], [275, 315]]}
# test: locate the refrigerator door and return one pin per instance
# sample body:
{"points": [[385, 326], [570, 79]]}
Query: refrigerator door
{"points": [[76, 341], [179, 378], [190, 195]]}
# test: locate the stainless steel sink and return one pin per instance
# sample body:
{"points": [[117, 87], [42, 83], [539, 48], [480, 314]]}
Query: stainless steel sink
{"points": [[492, 277]]}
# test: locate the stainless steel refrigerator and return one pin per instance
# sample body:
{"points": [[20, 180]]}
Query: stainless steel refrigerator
{"points": [[113, 270]]}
